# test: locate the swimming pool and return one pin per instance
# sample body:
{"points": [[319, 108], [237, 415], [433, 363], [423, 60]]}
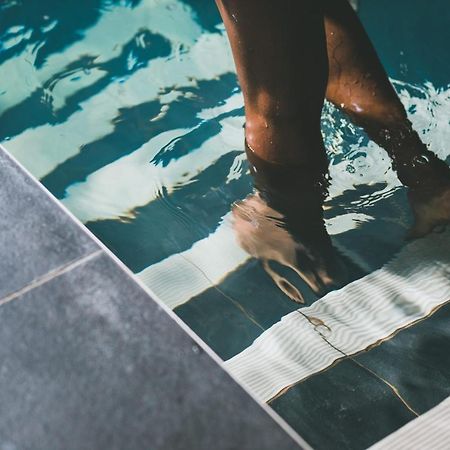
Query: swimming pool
{"points": [[130, 113]]}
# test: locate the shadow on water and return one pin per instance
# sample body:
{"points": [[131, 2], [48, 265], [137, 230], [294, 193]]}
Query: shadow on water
{"points": [[37, 109], [193, 139], [174, 222], [58, 24], [206, 14], [411, 37], [134, 127]]}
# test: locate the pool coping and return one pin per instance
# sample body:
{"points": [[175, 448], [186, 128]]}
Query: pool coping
{"points": [[266, 428]]}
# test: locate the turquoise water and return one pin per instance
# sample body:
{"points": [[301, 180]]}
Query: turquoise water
{"points": [[130, 113]]}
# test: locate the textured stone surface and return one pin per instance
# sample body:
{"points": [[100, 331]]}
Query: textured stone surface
{"points": [[90, 361], [35, 235]]}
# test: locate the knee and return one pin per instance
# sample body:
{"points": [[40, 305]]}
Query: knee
{"points": [[282, 110]]}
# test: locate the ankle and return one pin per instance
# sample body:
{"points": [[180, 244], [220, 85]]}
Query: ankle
{"points": [[422, 170], [287, 183]]}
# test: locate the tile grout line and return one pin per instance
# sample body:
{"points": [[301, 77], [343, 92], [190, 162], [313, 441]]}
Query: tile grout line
{"points": [[279, 382], [50, 276], [351, 358]]}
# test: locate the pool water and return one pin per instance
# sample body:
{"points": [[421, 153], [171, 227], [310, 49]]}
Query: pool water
{"points": [[130, 113]]}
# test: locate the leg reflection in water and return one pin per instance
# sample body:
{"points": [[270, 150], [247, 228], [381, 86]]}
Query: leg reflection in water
{"points": [[290, 55], [276, 224]]}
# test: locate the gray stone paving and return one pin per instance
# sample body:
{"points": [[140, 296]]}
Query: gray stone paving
{"points": [[89, 360], [36, 237]]}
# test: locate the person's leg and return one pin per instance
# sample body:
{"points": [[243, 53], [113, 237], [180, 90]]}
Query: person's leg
{"points": [[280, 53], [358, 84], [282, 56]]}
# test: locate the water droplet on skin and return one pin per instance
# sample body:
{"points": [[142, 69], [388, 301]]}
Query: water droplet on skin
{"points": [[420, 160], [385, 135]]}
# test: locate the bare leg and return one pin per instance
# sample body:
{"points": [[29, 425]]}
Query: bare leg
{"points": [[280, 54], [288, 55], [282, 222], [281, 58], [359, 85], [284, 52]]}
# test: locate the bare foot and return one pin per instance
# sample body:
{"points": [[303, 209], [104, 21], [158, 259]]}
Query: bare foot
{"points": [[266, 234], [431, 209], [428, 179]]}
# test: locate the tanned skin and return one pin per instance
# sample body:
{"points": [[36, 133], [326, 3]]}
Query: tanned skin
{"points": [[290, 55]]}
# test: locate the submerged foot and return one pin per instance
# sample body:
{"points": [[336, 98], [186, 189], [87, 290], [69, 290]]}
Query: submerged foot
{"points": [[298, 242], [428, 179], [431, 209], [282, 222]]}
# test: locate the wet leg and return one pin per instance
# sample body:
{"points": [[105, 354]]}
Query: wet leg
{"points": [[280, 53], [359, 85]]}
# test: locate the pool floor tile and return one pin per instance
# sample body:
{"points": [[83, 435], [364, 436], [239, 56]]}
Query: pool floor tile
{"points": [[344, 407], [416, 361], [232, 315]]}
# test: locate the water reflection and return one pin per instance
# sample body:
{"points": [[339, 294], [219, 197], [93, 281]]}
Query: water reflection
{"points": [[282, 222]]}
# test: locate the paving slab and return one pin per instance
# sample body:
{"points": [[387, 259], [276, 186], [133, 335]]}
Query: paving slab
{"points": [[36, 237]]}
